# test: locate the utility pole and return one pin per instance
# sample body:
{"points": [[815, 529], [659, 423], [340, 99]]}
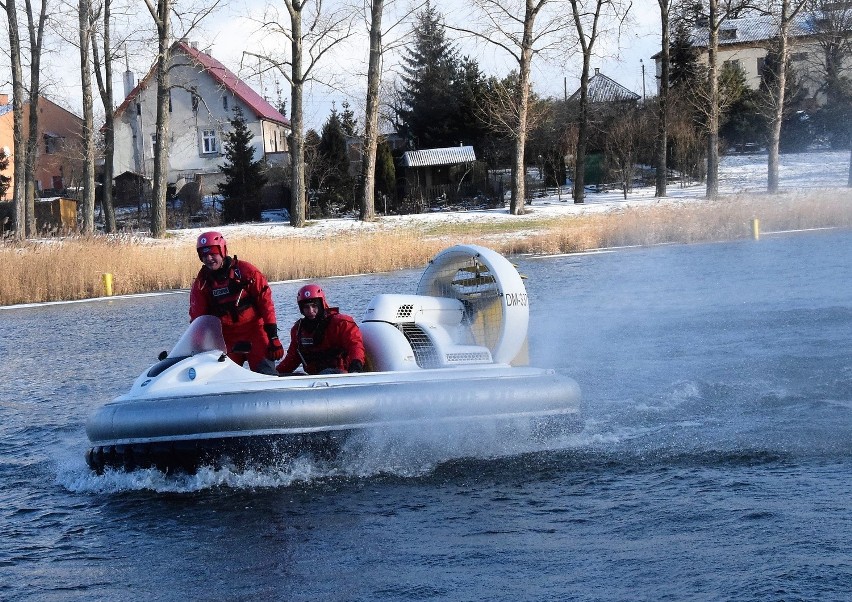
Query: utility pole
{"points": [[641, 62]]}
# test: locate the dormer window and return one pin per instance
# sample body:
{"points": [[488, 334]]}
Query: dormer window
{"points": [[727, 34]]}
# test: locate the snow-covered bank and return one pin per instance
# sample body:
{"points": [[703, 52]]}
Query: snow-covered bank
{"points": [[738, 175]]}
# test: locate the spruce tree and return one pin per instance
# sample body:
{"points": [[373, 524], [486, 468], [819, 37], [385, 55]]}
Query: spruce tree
{"points": [[348, 121], [427, 104], [685, 70], [244, 179], [385, 176], [338, 184]]}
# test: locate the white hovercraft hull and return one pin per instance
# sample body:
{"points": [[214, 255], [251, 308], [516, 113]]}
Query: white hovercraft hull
{"points": [[313, 413], [442, 355]]}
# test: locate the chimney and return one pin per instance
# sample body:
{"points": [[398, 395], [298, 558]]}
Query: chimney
{"points": [[194, 45], [4, 100], [129, 82], [597, 70]]}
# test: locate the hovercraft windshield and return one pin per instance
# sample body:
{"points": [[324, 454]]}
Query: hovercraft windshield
{"points": [[203, 334]]}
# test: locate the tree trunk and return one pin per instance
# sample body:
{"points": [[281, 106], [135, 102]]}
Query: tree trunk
{"points": [[36, 32], [161, 147], [17, 121], [519, 184], [371, 119], [579, 191], [104, 81], [297, 156], [662, 102], [713, 109], [778, 109], [88, 199]]}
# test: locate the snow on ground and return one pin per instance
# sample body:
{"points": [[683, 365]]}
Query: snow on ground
{"points": [[738, 174]]}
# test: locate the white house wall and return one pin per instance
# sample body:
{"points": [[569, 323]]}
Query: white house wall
{"points": [[805, 55], [187, 124]]}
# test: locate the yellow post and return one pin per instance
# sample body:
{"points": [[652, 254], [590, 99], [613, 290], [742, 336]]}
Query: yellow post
{"points": [[755, 228], [107, 280]]}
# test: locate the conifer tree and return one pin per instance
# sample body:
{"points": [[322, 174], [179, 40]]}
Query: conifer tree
{"points": [[338, 183], [244, 177], [385, 175], [685, 70], [427, 104], [348, 121]]}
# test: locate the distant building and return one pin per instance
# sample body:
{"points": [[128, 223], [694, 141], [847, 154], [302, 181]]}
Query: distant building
{"points": [[59, 163], [745, 42], [604, 90], [201, 102]]}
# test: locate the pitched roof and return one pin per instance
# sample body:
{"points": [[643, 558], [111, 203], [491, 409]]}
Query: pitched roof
{"points": [[758, 28], [604, 89], [258, 105], [438, 156]]}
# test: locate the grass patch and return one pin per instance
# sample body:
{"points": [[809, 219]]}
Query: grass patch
{"points": [[71, 268]]}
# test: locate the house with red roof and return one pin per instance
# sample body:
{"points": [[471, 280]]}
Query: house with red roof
{"points": [[202, 98]]}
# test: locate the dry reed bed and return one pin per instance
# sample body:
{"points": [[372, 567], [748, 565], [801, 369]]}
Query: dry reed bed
{"points": [[71, 268]]}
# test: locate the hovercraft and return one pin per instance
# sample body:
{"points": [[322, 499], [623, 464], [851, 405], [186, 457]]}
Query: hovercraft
{"points": [[452, 353]]}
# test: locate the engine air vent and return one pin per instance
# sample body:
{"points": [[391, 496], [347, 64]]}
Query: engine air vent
{"points": [[425, 353], [405, 311]]}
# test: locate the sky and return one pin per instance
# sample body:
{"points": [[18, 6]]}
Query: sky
{"points": [[229, 32]]}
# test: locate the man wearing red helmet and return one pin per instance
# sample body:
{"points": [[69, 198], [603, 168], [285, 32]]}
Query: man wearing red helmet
{"points": [[239, 295], [323, 340]]}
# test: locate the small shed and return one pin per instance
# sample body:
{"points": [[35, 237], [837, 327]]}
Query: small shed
{"points": [[56, 212], [431, 167]]}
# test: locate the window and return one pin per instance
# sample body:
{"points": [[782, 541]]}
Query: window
{"points": [[732, 64], [727, 34], [170, 101], [51, 144], [225, 101], [194, 102], [209, 142], [153, 145], [799, 56]]}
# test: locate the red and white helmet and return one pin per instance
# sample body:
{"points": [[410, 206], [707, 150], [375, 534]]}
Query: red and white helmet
{"points": [[309, 292], [209, 241]]}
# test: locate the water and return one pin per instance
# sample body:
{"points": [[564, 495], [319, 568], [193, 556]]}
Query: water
{"points": [[716, 460]]}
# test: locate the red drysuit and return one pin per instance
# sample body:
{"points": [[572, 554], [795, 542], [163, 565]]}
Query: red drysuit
{"points": [[239, 295]]}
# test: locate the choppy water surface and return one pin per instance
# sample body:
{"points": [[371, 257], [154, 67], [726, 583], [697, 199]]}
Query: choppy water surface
{"points": [[716, 460]]}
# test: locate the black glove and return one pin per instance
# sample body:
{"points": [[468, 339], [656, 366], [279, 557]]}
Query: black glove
{"points": [[275, 350], [356, 366]]}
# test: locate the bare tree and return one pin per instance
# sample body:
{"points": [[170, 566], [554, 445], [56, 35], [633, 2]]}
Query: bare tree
{"points": [[663, 98], [17, 117], [367, 184], [88, 118], [103, 76], [832, 22], [710, 18], [35, 28], [587, 16], [162, 15], [524, 29], [784, 11], [314, 30], [625, 138], [371, 120]]}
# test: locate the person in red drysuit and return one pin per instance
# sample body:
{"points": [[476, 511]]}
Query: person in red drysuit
{"points": [[238, 294], [323, 341]]}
